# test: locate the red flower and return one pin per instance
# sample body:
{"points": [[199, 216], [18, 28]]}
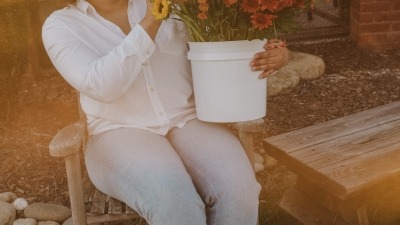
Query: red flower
{"points": [[250, 6], [262, 21], [229, 3], [270, 5], [202, 15]]}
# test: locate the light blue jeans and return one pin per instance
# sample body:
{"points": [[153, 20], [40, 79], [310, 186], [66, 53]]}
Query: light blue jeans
{"points": [[196, 175]]}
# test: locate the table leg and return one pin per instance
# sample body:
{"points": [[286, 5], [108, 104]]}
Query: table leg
{"points": [[312, 205]]}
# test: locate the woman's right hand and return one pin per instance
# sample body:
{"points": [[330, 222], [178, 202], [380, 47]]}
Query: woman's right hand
{"points": [[149, 23]]}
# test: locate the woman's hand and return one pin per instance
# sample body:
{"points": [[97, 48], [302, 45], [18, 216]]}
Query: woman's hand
{"points": [[270, 60], [149, 23]]}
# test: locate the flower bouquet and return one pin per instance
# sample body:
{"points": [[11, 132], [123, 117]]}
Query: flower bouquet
{"points": [[224, 35]]}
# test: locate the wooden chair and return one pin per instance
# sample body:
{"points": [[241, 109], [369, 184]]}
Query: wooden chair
{"points": [[89, 205]]}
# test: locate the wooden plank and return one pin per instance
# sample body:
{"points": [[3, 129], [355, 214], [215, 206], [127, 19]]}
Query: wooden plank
{"points": [[109, 218], [368, 173], [343, 165], [334, 129], [351, 171], [349, 177], [347, 147]]}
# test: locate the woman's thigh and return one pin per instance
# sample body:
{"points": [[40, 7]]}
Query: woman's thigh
{"points": [[142, 169], [220, 170]]}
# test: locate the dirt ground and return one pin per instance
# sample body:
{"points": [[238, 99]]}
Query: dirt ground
{"points": [[354, 80]]}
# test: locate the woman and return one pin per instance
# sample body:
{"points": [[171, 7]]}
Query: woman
{"points": [[146, 146]]}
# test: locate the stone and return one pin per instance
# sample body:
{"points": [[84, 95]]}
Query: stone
{"points": [[48, 223], [25, 221], [68, 222], [300, 66], [20, 204], [283, 81], [306, 66], [7, 213], [8, 197], [258, 158], [269, 161], [47, 212], [258, 167]]}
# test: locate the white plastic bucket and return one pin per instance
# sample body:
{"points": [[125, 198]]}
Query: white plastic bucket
{"points": [[225, 87]]}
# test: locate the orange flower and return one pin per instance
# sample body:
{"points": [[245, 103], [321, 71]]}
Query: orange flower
{"points": [[251, 6], [202, 15], [270, 5], [229, 3], [203, 7], [262, 21]]}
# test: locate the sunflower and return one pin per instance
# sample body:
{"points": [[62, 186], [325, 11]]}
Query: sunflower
{"points": [[161, 8]]}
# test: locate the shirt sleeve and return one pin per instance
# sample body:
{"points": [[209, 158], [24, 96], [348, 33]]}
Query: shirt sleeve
{"points": [[101, 77]]}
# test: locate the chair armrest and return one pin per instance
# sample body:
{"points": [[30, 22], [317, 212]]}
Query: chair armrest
{"points": [[68, 140], [251, 126]]}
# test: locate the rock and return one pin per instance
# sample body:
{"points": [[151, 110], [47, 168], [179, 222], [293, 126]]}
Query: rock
{"points": [[285, 80], [258, 167], [307, 66], [269, 161], [48, 223], [258, 158], [20, 204], [300, 66], [68, 222], [7, 213], [8, 197], [47, 212], [25, 221]]}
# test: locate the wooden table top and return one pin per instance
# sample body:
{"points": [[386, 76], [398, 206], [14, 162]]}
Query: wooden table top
{"points": [[344, 155]]}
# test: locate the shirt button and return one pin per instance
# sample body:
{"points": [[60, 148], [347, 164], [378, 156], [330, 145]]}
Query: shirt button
{"points": [[161, 113], [151, 89]]}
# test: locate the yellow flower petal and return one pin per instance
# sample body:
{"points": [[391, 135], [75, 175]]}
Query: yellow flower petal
{"points": [[161, 9]]}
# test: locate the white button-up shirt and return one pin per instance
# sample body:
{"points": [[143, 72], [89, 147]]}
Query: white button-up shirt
{"points": [[123, 80]]}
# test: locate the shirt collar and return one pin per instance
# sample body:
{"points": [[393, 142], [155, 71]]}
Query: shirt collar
{"points": [[86, 7]]}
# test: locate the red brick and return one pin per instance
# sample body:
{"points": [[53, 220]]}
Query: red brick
{"points": [[394, 37], [355, 6], [375, 6], [375, 27], [373, 41], [396, 5], [367, 18], [396, 26], [387, 16]]}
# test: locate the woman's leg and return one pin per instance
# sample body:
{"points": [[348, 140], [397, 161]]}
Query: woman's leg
{"points": [[143, 170], [220, 170]]}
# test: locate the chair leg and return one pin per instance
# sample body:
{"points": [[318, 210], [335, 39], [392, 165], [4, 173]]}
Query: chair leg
{"points": [[246, 138], [75, 187]]}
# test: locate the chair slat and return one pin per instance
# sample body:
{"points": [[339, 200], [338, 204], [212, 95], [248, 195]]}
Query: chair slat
{"points": [[98, 203], [114, 207], [130, 211]]}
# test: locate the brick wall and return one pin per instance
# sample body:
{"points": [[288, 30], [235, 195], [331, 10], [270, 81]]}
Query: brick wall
{"points": [[375, 24]]}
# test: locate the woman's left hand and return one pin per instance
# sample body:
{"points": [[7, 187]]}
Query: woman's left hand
{"points": [[269, 61]]}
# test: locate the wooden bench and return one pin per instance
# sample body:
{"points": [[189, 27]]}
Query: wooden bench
{"points": [[337, 162]]}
